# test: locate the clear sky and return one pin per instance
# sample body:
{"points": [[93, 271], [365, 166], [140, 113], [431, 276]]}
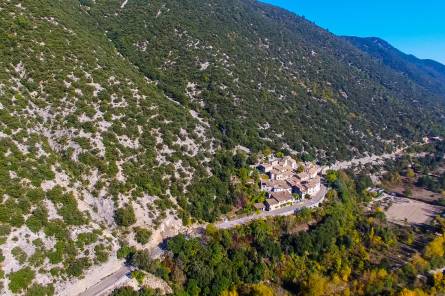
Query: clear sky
{"points": [[413, 26]]}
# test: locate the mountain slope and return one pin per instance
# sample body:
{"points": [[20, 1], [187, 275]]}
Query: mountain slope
{"points": [[89, 147], [118, 119], [262, 76], [426, 73]]}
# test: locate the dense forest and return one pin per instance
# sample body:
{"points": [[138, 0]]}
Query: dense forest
{"points": [[427, 73], [344, 251]]}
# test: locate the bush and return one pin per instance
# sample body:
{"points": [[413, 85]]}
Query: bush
{"points": [[125, 251], [38, 290], [86, 238], [101, 253], [139, 276], [77, 266], [142, 235], [19, 255], [38, 219], [125, 216], [124, 291], [20, 279]]}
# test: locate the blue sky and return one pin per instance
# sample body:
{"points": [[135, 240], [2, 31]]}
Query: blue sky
{"points": [[413, 26]]}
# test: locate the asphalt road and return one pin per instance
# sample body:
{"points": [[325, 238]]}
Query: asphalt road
{"points": [[108, 283], [373, 159], [286, 211]]}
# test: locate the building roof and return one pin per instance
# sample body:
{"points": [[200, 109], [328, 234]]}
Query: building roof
{"points": [[288, 159], [282, 196], [281, 169], [259, 205], [294, 182], [303, 175], [273, 183], [276, 184], [313, 182], [271, 201], [282, 175]]}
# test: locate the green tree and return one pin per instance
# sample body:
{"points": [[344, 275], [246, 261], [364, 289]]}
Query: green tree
{"points": [[331, 176], [125, 216], [142, 235], [300, 169]]}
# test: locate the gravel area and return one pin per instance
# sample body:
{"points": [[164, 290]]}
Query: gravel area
{"points": [[411, 211]]}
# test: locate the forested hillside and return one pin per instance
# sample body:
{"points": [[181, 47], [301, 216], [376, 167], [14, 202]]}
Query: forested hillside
{"points": [[263, 76], [343, 250], [426, 73], [118, 119]]}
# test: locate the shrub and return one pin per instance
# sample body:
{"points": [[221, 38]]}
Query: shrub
{"points": [[19, 255], [38, 219], [57, 229], [20, 279], [38, 290], [38, 258], [139, 276], [86, 238], [4, 229], [125, 216], [76, 267], [101, 253], [125, 251], [125, 291], [142, 235]]}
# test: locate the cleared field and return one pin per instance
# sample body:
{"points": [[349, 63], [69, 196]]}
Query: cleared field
{"points": [[411, 211], [419, 193]]}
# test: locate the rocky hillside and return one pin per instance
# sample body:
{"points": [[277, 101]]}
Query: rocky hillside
{"points": [[88, 144], [117, 120], [264, 76]]}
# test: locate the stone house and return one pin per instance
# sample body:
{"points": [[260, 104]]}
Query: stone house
{"points": [[278, 199]]}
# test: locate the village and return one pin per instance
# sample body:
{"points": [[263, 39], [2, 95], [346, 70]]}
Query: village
{"points": [[285, 182]]}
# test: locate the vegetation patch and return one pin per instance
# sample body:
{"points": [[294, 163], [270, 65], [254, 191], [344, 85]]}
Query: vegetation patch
{"points": [[21, 279]]}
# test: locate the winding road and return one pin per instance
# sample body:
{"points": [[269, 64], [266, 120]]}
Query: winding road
{"points": [[374, 159], [121, 276], [113, 280], [286, 211]]}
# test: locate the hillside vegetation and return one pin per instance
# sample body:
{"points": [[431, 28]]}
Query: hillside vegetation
{"points": [[264, 76], [346, 251], [118, 119], [426, 73], [86, 140]]}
